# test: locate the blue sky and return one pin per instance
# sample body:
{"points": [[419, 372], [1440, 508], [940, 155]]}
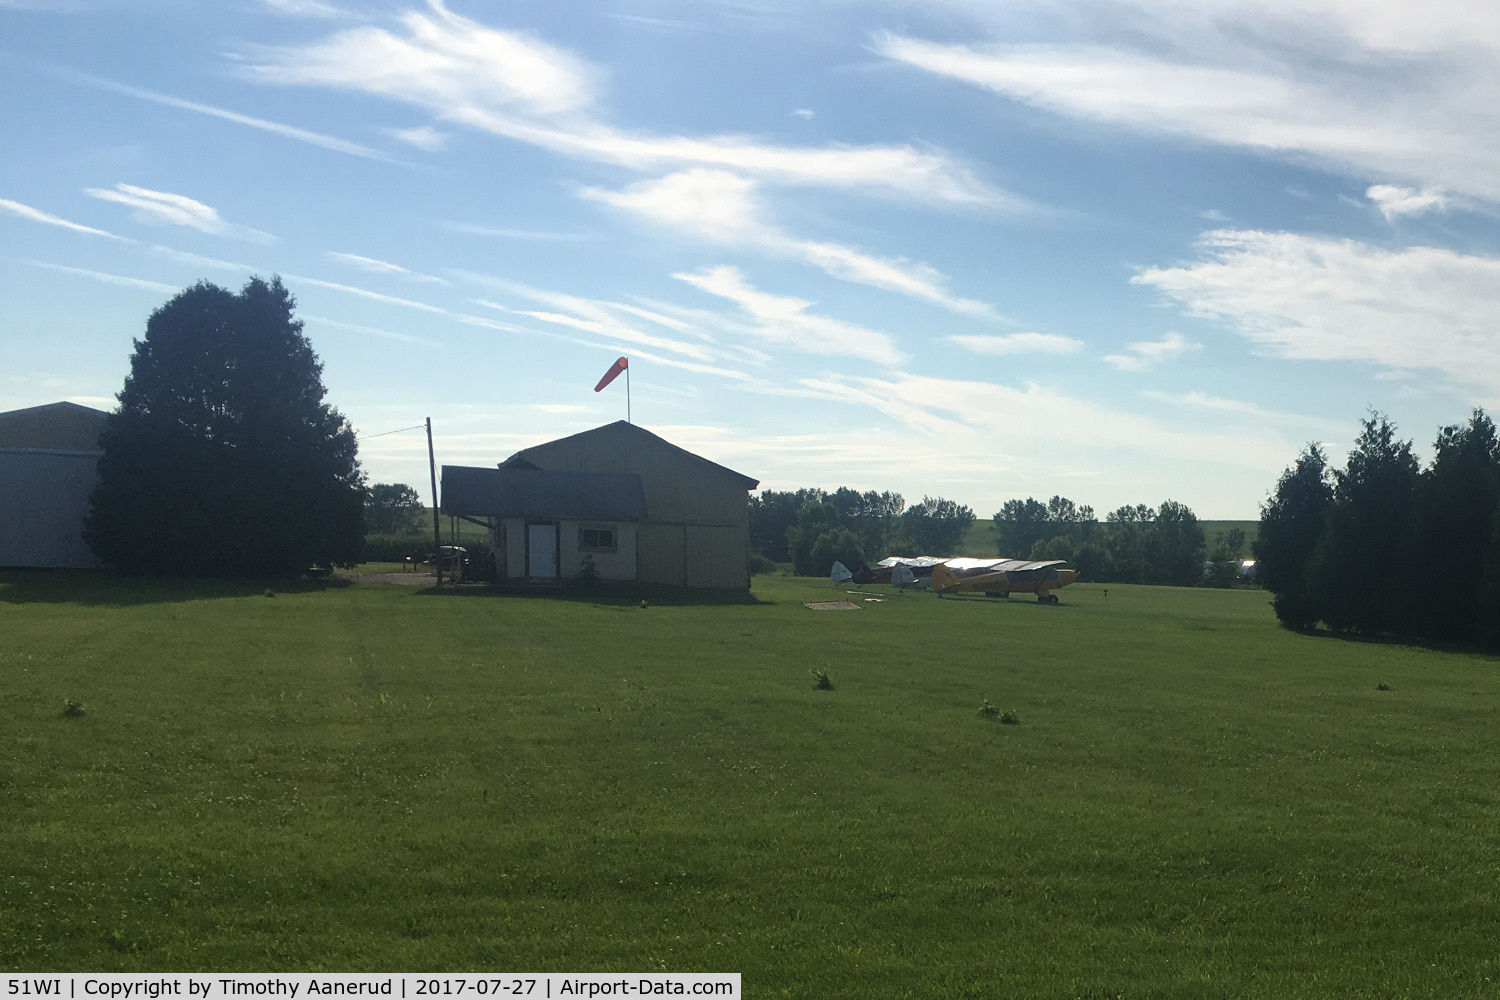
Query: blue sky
{"points": [[1117, 251]]}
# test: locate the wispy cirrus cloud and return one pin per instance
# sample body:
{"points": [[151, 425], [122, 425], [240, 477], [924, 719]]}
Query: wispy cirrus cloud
{"points": [[515, 85], [603, 318], [371, 265], [47, 219], [1370, 90], [786, 320], [308, 136], [1316, 298], [1208, 403], [164, 208], [723, 207], [315, 9], [103, 276], [966, 414], [1019, 343], [1146, 354]]}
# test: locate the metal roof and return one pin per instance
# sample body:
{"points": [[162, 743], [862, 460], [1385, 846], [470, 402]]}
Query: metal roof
{"points": [[520, 492], [628, 429]]}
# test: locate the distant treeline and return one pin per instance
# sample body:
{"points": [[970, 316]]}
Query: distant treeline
{"points": [[811, 528], [1133, 544], [1383, 545]]}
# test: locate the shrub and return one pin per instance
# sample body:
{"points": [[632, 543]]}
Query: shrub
{"points": [[821, 680]]}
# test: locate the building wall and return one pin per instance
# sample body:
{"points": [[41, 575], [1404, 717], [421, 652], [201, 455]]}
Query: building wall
{"points": [[617, 565], [697, 528], [44, 496]]}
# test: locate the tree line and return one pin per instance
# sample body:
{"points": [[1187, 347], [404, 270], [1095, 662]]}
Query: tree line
{"points": [[1133, 544], [1384, 545], [813, 528]]}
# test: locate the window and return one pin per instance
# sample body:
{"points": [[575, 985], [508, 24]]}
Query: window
{"points": [[596, 539]]}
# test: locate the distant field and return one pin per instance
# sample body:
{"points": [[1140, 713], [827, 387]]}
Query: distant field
{"points": [[1195, 804], [980, 539]]}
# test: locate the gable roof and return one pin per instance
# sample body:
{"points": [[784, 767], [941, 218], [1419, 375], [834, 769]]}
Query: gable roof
{"points": [[57, 426], [520, 492], [626, 429]]}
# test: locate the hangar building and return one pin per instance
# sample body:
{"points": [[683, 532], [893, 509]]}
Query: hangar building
{"points": [[641, 507], [49, 458]]}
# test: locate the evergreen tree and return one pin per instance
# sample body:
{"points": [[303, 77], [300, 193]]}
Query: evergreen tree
{"points": [[1458, 498], [1291, 522], [223, 459], [1360, 572]]}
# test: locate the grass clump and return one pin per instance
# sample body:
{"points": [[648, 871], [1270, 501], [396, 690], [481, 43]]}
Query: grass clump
{"points": [[72, 709], [821, 680], [1382, 686], [988, 711]]}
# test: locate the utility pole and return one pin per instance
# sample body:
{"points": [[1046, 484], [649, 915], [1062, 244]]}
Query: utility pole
{"points": [[437, 525]]}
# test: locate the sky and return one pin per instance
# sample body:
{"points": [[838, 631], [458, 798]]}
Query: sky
{"points": [[1122, 252]]}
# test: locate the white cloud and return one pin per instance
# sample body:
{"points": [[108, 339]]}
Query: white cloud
{"points": [[1147, 354], [806, 114], [517, 86], [722, 207], [424, 137], [1314, 298], [785, 320], [1019, 343], [1324, 81], [1394, 201], [37, 215], [371, 265], [163, 208]]}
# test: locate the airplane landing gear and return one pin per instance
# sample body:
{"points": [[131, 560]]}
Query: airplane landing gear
{"points": [[1046, 598]]}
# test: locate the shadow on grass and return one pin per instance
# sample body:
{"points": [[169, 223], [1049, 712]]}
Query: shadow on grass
{"points": [[620, 595], [103, 588], [1467, 647]]}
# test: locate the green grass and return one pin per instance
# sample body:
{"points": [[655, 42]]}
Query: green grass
{"points": [[979, 540], [1194, 804]]}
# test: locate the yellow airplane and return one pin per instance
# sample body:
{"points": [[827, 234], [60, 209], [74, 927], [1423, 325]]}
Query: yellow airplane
{"points": [[1001, 578]]}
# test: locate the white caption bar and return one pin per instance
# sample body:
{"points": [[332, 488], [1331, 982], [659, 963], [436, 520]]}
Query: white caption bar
{"points": [[396, 986]]}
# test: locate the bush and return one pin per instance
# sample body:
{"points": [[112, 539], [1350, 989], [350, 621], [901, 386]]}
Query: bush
{"points": [[759, 564]]}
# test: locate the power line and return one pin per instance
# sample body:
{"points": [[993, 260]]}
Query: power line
{"points": [[413, 427]]}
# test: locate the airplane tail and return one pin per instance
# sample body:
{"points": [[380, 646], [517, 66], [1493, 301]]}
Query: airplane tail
{"points": [[942, 579]]}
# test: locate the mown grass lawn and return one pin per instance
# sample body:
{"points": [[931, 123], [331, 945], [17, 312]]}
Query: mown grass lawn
{"points": [[1195, 804]]}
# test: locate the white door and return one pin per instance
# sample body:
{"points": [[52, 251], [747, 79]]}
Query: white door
{"points": [[541, 550]]}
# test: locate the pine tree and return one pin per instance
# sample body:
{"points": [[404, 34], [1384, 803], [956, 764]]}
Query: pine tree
{"points": [[1291, 522]]}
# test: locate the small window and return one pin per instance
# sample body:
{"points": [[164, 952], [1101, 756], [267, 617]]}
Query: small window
{"points": [[596, 539]]}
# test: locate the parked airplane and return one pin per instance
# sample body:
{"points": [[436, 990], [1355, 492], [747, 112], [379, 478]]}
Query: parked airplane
{"points": [[961, 574], [1002, 577]]}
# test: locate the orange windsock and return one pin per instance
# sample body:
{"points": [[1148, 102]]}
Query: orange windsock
{"points": [[613, 373]]}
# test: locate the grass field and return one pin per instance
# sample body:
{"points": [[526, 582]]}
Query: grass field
{"points": [[1195, 803]]}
